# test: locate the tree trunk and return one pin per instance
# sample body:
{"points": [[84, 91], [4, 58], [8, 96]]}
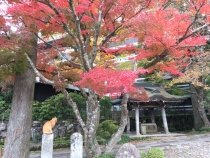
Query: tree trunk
{"points": [[200, 118], [123, 122], [19, 128], [92, 147], [89, 129]]}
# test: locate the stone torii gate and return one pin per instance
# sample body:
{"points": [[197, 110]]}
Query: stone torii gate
{"points": [[150, 106], [159, 98]]}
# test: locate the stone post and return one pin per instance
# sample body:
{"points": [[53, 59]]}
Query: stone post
{"points": [[165, 124], [47, 146], [137, 120], [128, 124], [1, 152], [151, 110], [76, 148]]}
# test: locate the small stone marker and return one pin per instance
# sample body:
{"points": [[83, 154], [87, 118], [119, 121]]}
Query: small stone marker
{"points": [[76, 149], [47, 146], [128, 150]]}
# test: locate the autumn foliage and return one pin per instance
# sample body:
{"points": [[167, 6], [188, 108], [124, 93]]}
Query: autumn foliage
{"points": [[165, 32], [168, 34], [112, 82]]}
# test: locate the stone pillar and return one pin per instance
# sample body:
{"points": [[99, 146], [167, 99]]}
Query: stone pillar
{"points": [[152, 115], [76, 148], [137, 120], [128, 123], [47, 146], [165, 124], [1, 152]]}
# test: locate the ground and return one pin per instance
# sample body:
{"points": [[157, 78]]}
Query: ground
{"points": [[174, 146]]}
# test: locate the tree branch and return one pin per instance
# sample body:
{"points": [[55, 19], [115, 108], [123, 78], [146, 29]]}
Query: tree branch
{"points": [[70, 101], [97, 27], [157, 59]]}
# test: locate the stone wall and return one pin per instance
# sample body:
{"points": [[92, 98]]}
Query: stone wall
{"points": [[61, 129]]}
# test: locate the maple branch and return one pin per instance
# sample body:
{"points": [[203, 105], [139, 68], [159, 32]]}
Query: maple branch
{"points": [[69, 99], [157, 59], [120, 26], [123, 122], [76, 110], [5, 33], [106, 13], [65, 26], [185, 36], [194, 31], [142, 8], [37, 72], [83, 55], [62, 55], [72, 63], [168, 3], [61, 44], [97, 27], [110, 35]]}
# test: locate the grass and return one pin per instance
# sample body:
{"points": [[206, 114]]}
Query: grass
{"points": [[126, 139], [203, 130], [107, 155]]}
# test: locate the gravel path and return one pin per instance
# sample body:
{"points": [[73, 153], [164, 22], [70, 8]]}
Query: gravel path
{"points": [[197, 146], [188, 151]]}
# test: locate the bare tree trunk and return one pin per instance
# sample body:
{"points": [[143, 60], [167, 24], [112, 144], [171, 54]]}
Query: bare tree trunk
{"points": [[123, 122], [19, 128], [92, 147], [201, 109], [200, 118]]}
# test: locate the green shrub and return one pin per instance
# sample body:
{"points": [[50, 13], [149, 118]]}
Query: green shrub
{"points": [[205, 129], [107, 155], [105, 108], [172, 129], [140, 138], [5, 104], [155, 153], [193, 133], [143, 154], [57, 106], [107, 128]]}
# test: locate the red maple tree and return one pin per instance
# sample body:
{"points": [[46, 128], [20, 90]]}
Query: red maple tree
{"points": [[164, 31]]}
